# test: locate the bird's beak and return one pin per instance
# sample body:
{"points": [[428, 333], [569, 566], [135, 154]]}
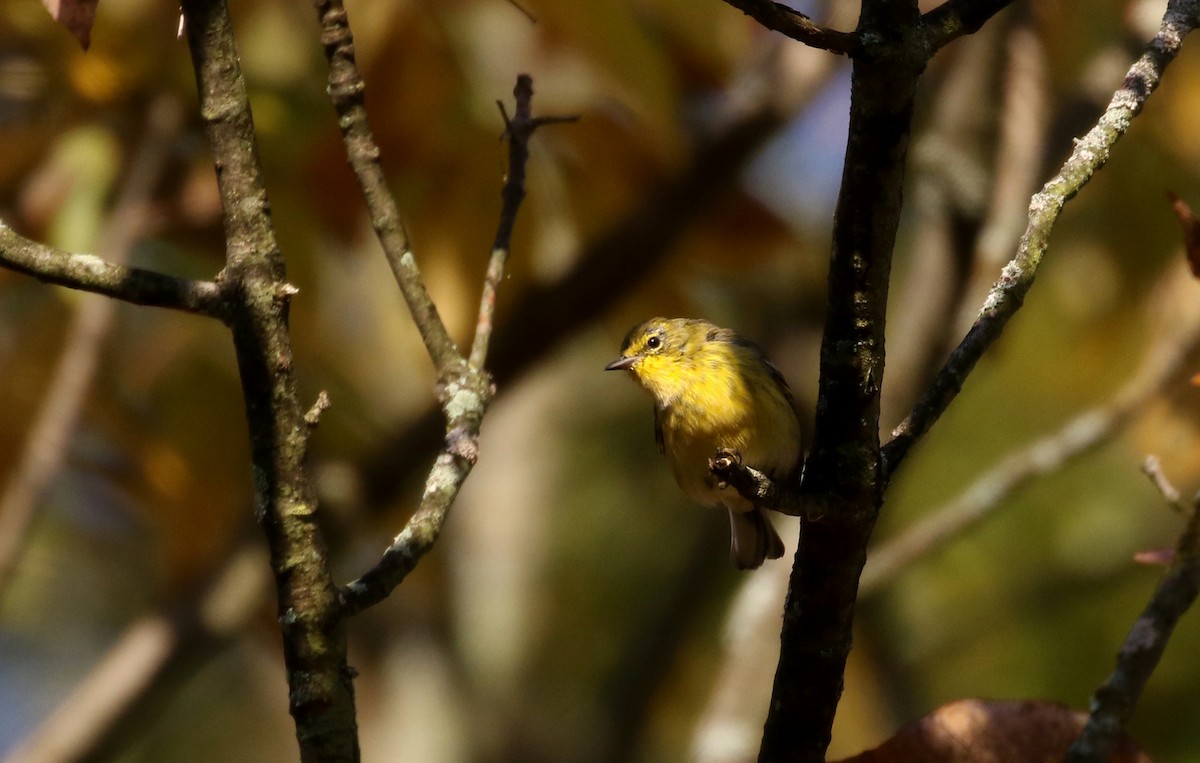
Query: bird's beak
{"points": [[622, 364]]}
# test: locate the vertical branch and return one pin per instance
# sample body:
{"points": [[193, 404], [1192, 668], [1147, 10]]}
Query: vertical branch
{"points": [[518, 130], [321, 695], [464, 389], [844, 472]]}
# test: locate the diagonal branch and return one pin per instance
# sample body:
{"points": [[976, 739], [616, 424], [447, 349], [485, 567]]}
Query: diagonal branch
{"points": [[519, 129], [464, 394], [1006, 297], [780, 18], [347, 91], [1113, 703], [1165, 364], [955, 18]]}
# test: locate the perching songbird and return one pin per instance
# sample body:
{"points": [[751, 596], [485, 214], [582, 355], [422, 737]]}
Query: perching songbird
{"points": [[715, 391]]}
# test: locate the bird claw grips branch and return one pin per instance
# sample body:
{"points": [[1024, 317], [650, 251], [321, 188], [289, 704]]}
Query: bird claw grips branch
{"points": [[726, 465]]}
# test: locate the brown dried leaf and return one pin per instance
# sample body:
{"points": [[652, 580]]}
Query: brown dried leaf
{"points": [[1191, 231], [991, 731], [76, 15]]}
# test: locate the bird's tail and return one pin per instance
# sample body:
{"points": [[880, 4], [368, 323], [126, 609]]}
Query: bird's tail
{"points": [[752, 539]]}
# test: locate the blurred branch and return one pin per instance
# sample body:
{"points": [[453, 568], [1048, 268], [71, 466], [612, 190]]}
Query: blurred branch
{"points": [[1114, 702], [463, 390], [731, 723], [88, 272], [1166, 363], [347, 91], [47, 443], [794, 24], [1152, 468], [955, 18], [321, 693], [1006, 297], [130, 678]]}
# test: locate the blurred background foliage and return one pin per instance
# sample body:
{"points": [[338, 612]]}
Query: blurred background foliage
{"points": [[576, 605]]}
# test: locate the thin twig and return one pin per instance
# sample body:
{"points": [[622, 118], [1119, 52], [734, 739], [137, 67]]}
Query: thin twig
{"points": [[347, 91], [1152, 468], [1006, 297], [1115, 700], [49, 438], [464, 395], [780, 18], [955, 18]]}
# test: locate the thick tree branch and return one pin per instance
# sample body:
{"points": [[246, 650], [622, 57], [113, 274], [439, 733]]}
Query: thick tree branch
{"points": [[321, 693], [1006, 297], [780, 18], [518, 130], [844, 471], [1113, 703], [89, 272]]}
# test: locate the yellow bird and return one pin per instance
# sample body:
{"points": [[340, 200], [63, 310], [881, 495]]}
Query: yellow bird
{"points": [[715, 391]]}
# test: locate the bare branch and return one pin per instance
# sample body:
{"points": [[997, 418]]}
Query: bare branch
{"points": [[518, 130], [1006, 297], [845, 469], [321, 693], [347, 91], [1165, 364], [780, 18], [89, 272], [1152, 468], [48, 439], [1114, 702], [463, 393], [955, 18]]}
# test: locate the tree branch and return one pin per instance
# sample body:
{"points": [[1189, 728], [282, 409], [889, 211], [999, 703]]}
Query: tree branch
{"points": [[844, 471], [347, 91], [1007, 295], [1114, 701], [88, 272], [518, 130], [955, 18], [780, 18], [321, 693], [1165, 364], [464, 394]]}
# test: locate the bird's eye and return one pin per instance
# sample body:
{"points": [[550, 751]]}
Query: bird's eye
{"points": [[654, 342]]}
